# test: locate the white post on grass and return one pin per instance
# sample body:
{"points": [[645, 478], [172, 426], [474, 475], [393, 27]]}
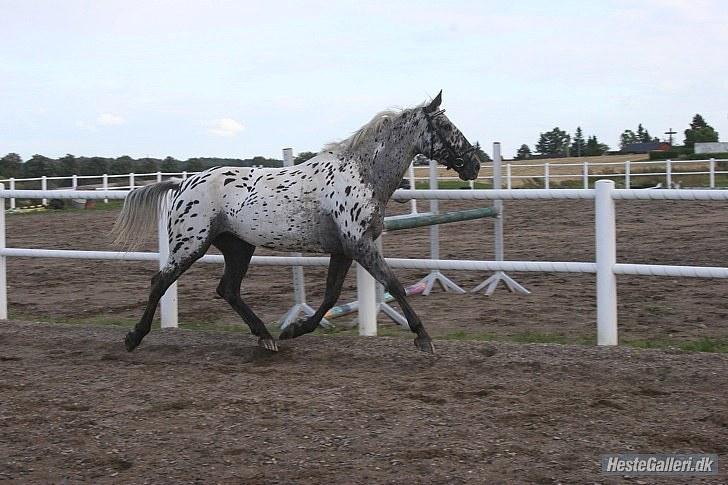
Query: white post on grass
{"points": [[606, 258], [668, 174], [509, 186], [168, 303], [105, 185], [3, 277], [712, 173], [44, 186], [159, 177], [627, 174], [585, 174], [74, 182], [131, 181]]}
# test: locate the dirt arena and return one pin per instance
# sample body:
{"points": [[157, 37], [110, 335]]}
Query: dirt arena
{"points": [[208, 406], [661, 232]]}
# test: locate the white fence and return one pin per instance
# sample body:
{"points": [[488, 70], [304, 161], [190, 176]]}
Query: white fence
{"points": [[629, 172], [105, 182], [605, 266]]}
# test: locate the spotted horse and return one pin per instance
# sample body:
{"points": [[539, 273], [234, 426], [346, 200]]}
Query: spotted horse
{"points": [[333, 203]]}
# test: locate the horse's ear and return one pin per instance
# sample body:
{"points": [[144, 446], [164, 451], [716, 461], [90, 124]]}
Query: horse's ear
{"points": [[434, 104]]}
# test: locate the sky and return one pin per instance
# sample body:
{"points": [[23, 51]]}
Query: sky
{"points": [[246, 78]]}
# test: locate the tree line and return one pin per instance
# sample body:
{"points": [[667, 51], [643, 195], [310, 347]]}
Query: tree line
{"points": [[12, 165], [558, 143], [552, 144]]}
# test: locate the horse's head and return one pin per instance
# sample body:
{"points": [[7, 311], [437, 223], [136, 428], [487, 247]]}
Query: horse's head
{"points": [[442, 141]]}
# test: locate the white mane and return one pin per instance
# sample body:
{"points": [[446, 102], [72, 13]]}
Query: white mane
{"points": [[363, 133]]}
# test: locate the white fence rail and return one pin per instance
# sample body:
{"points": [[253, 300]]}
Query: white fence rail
{"points": [[605, 266], [105, 182], [628, 172]]}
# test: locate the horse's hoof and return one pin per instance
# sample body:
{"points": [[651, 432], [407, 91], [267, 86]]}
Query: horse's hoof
{"points": [[293, 330], [268, 344], [288, 332], [425, 345], [131, 341]]}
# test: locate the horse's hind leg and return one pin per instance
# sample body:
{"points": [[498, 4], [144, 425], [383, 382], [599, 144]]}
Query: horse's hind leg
{"points": [[161, 281], [338, 267], [237, 255], [368, 256]]}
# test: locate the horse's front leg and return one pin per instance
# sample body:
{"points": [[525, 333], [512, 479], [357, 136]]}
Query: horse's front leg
{"points": [[368, 256], [338, 267]]}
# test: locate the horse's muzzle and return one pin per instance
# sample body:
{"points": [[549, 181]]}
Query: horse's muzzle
{"points": [[469, 172]]}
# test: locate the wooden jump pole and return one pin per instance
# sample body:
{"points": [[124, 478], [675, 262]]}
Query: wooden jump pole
{"points": [[435, 219]]}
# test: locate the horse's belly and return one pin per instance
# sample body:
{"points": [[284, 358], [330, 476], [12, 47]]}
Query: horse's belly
{"points": [[277, 228]]}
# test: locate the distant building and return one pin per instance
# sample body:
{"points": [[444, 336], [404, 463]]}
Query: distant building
{"points": [[711, 147], [652, 146]]}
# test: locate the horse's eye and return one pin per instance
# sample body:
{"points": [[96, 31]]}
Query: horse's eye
{"points": [[459, 162]]}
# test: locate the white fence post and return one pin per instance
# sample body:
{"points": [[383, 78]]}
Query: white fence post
{"points": [[712, 173], [413, 185], [44, 186], [498, 204], [12, 187], [606, 258], [366, 290], [491, 283], [168, 303], [668, 174], [546, 173], [627, 174], [159, 177], [508, 177], [105, 185], [585, 174], [131, 181], [74, 181], [434, 209], [3, 277], [299, 286], [184, 175]]}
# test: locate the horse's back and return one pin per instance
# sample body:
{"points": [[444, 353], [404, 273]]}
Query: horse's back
{"points": [[307, 207]]}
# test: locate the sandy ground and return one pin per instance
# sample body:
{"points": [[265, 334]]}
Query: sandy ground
{"points": [[564, 304], [200, 407], [193, 406]]}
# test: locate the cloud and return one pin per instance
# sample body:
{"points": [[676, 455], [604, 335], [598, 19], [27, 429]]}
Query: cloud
{"points": [[225, 127], [85, 125], [109, 119], [104, 119]]}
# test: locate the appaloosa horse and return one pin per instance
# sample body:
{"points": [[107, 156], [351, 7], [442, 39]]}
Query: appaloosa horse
{"points": [[333, 203]]}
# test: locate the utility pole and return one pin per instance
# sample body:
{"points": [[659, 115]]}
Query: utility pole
{"points": [[670, 132]]}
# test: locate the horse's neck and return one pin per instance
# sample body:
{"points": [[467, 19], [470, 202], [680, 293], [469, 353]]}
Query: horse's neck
{"points": [[386, 158]]}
